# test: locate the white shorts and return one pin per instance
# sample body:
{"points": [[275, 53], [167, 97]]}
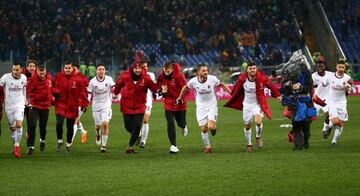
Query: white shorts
{"points": [[148, 110], [319, 107], [204, 114], [102, 116], [14, 114], [249, 113], [338, 112]]}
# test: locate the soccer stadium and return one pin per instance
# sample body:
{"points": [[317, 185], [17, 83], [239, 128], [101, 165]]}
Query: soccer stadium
{"points": [[187, 97]]}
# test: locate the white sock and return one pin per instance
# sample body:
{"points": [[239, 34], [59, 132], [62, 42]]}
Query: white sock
{"points": [[325, 127], [330, 124], [247, 136], [60, 141], [258, 130], [42, 141], [98, 132], [81, 128], [104, 139], [337, 134], [68, 144], [74, 134], [205, 137], [145, 132], [13, 135], [18, 136]]}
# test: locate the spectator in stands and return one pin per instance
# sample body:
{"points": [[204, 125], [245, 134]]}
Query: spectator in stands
{"points": [[58, 31], [344, 30]]}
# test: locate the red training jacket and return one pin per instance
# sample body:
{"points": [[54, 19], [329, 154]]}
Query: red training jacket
{"points": [[133, 96], [70, 88], [174, 86], [85, 82], [261, 81], [39, 91]]}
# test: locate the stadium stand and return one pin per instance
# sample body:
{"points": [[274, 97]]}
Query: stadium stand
{"points": [[344, 17], [191, 31]]}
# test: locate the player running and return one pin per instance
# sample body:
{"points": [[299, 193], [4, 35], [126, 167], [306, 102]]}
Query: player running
{"points": [[318, 78], [100, 88], [78, 126], [172, 80], [248, 96], [14, 85], [206, 103], [340, 85]]}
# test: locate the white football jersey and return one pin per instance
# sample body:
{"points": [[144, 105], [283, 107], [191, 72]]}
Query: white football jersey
{"points": [[205, 92], [337, 92], [250, 93], [319, 80], [101, 91], [15, 90], [149, 96]]}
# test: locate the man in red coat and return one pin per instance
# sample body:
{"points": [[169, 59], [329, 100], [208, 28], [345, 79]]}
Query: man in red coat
{"points": [[172, 80], [28, 71], [68, 88], [248, 96], [39, 94], [78, 127], [133, 85]]}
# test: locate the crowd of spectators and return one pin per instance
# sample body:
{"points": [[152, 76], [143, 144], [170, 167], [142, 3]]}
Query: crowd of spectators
{"points": [[61, 29], [345, 16]]}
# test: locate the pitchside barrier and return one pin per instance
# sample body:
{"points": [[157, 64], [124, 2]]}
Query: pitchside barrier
{"points": [[222, 95]]}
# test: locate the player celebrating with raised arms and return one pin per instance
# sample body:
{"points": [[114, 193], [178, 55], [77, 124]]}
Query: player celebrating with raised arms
{"points": [[14, 85], [248, 96], [340, 85], [206, 103], [100, 88]]}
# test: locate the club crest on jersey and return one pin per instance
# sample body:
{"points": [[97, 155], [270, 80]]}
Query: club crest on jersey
{"points": [[261, 86], [142, 82], [73, 85]]}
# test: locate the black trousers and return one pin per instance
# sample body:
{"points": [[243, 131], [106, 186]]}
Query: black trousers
{"points": [[180, 117], [133, 123], [69, 126], [301, 131], [34, 115], [27, 116]]}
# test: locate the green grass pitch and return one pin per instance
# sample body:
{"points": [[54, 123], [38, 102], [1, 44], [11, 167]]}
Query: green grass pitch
{"points": [[229, 170]]}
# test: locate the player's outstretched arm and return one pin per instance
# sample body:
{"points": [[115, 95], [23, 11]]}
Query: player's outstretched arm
{"points": [[183, 91], [225, 87]]}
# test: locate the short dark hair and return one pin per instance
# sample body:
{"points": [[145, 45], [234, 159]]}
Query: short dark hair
{"points": [[251, 63], [101, 64], [342, 61], [15, 63], [201, 65], [68, 62], [31, 61], [168, 64], [75, 65], [41, 67]]}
